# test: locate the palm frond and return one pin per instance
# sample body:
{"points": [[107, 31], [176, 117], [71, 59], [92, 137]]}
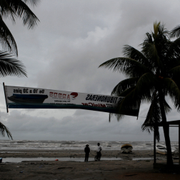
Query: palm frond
{"points": [[126, 65], [175, 70], [10, 66], [133, 53], [118, 116], [116, 63], [32, 2], [4, 129], [173, 52], [6, 38], [145, 83], [153, 117], [20, 9], [175, 32], [128, 103], [167, 108], [5, 8], [173, 90], [156, 26], [149, 49], [123, 86]]}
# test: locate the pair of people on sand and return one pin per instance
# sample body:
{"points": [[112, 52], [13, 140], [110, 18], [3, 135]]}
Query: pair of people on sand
{"points": [[87, 151]]}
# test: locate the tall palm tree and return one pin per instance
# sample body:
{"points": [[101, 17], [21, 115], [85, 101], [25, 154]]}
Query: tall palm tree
{"points": [[153, 75], [15, 9], [8, 65]]}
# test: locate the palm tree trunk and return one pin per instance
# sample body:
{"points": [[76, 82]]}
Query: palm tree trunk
{"points": [[166, 130]]}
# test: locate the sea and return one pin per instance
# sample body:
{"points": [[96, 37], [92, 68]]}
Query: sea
{"points": [[76, 145], [8, 146]]}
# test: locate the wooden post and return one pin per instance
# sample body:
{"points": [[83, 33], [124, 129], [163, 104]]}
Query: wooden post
{"points": [[179, 144], [154, 145]]}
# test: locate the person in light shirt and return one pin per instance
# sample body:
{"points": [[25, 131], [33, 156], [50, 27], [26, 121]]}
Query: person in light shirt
{"points": [[99, 149]]}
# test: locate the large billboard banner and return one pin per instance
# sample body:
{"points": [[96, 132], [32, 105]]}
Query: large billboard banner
{"points": [[28, 97]]}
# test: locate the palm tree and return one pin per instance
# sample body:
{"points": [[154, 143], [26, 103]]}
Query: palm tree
{"points": [[8, 65], [153, 76], [15, 9]]}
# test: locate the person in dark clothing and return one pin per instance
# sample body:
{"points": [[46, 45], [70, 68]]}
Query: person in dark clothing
{"points": [[87, 151]]}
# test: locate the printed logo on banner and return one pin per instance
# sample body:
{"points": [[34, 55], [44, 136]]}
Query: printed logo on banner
{"points": [[63, 97]]}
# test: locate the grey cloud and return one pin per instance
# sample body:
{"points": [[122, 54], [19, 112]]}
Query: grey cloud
{"points": [[64, 51]]}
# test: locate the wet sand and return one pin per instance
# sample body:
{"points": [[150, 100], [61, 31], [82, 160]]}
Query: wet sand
{"points": [[126, 168]]}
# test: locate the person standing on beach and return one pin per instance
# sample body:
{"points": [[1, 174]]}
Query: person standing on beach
{"points": [[99, 149], [87, 151]]}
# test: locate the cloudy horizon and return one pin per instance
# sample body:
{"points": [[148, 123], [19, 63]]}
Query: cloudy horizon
{"points": [[64, 51]]}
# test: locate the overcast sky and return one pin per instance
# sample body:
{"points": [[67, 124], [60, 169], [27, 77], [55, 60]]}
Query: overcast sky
{"points": [[63, 52]]}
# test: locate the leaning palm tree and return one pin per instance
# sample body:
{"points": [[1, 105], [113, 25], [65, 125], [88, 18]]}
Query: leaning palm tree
{"points": [[15, 9], [153, 76]]}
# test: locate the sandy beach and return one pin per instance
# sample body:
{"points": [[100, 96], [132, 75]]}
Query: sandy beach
{"points": [[135, 166]]}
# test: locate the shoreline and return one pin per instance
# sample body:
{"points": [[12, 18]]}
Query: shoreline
{"points": [[76, 170], [79, 153]]}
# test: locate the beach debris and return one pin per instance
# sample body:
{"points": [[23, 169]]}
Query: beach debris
{"points": [[73, 155], [126, 148]]}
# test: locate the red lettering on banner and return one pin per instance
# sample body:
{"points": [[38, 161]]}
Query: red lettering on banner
{"points": [[55, 95], [68, 97], [63, 97], [60, 95], [74, 95]]}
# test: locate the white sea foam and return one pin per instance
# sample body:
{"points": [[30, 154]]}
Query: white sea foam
{"points": [[78, 145]]}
